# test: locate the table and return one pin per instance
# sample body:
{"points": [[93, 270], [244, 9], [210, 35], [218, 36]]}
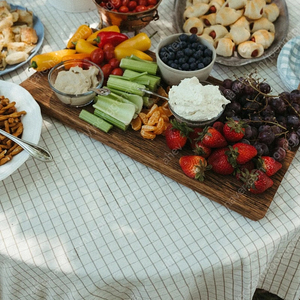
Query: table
{"points": [[95, 224]]}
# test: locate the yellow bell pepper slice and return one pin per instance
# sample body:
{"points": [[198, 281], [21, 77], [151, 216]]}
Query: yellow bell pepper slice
{"points": [[93, 36], [82, 32], [124, 52], [141, 42], [45, 61], [82, 46]]}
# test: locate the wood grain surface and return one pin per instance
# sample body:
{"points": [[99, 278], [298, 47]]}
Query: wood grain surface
{"points": [[225, 190]]}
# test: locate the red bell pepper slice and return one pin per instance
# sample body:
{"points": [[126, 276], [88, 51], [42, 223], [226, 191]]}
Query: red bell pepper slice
{"points": [[115, 38]]}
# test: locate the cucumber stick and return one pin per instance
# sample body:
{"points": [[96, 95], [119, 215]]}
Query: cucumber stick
{"points": [[139, 66], [95, 121]]}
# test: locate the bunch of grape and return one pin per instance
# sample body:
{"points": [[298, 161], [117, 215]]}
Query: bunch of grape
{"points": [[273, 120]]}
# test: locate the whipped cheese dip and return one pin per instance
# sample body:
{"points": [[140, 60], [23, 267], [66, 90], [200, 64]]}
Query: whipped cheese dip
{"points": [[193, 101]]}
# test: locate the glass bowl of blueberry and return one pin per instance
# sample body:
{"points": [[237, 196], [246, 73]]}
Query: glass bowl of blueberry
{"points": [[184, 55]]}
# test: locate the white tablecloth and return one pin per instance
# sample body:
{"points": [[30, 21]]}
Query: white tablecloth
{"points": [[95, 224]]}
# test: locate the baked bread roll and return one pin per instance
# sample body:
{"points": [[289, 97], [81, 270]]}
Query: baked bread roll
{"points": [[28, 35], [250, 49], [254, 9], [5, 4], [235, 4], [19, 47], [227, 16], [209, 19], [216, 31], [208, 38], [239, 34], [8, 36], [6, 19], [225, 47], [242, 22], [16, 58], [25, 17], [262, 23], [271, 12], [197, 10], [263, 37], [193, 25]]}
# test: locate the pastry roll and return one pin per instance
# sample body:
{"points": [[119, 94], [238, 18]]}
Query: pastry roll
{"points": [[6, 19], [28, 35], [188, 3], [235, 4], [214, 6], [193, 25], [208, 38], [227, 16], [271, 12], [254, 9], [16, 58], [209, 19], [197, 10], [242, 22], [250, 49], [262, 23], [200, 1], [263, 37], [225, 47], [239, 34], [216, 31]]}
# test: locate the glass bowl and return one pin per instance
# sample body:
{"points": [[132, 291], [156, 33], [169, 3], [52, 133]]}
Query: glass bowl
{"points": [[76, 99]]}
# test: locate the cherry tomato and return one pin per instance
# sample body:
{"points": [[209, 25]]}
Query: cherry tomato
{"points": [[109, 54], [152, 2], [114, 62], [140, 8], [108, 46], [117, 71], [125, 2], [123, 9], [132, 5], [142, 2], [150, 6], [106, 69], [97, 56], [116, 4]]}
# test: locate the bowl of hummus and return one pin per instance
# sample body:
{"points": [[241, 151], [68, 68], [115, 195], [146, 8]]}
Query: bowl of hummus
{"points": [[196, 103], [71, 80]]}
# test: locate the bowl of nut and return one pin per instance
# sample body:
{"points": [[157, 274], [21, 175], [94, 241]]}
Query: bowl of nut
{"points": [[130, 15], [181, 56]]}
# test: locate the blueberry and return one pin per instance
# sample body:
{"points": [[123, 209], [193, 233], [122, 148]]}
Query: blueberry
{"points": [[183, 44], [174, 65], [198, 54], [206, 61], [207, 52], [193, 38], [192, 60], [200, 66], [201, 47], [179, 54], [171, 55], [182, 60], [185, 66], [193, 66], [183, 37], [188, 51]]}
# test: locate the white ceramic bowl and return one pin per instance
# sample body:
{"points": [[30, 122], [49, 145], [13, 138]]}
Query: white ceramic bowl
{"points": [[173, 76], [77, 100]]}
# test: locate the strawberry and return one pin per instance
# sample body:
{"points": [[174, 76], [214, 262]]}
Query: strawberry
{"points": [[212, 138], [268, 165], [234, 130], [249, 165], [219, 126], [176, 134], [219, 161], [241, 153], [256, 181], [194, 166], [201, 150]]}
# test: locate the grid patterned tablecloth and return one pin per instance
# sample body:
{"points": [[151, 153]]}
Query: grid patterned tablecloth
{"points": [[95, 224]]}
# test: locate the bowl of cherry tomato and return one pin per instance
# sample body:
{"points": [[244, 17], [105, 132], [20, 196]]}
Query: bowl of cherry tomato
{"points": [[129, 15]]}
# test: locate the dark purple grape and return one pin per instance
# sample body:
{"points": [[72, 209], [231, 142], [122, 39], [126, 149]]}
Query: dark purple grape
{"points": [[237, 86], [251, 106], [243, 99], [283, 143], [292, 121], [229, 94], [267, 137], [276, 129], [294, 109], [227, 83], [264, 127], [262, 148], [264, 87], [279, 154], [248, 132], [293, 139], [285, 96], [256, 120], [268, 111], [278, 105], [281, 120], [245, 141], [234, 106]]}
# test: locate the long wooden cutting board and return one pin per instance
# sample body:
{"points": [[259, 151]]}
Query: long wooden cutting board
{"points": [[225, 190]]}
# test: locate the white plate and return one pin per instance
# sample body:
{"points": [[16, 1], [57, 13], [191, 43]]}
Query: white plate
{"points": [[281, 29], [32, 122], [39, 28], [288, 64]]}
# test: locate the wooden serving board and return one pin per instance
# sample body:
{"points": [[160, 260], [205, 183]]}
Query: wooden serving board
{"points": [[225, 190]]}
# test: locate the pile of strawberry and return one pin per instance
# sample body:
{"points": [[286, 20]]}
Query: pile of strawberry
{"points": [[221, 148]]}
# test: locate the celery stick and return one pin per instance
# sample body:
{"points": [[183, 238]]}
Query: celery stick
{"points": [[95, 121], [125, 85], [139, 66], [134, 57], [123, 112], [154, 81], [100, 114]]}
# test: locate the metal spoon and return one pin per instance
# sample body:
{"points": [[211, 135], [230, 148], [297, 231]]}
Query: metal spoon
{"points": [[100, 91], [152, 93], [33, 150]]}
